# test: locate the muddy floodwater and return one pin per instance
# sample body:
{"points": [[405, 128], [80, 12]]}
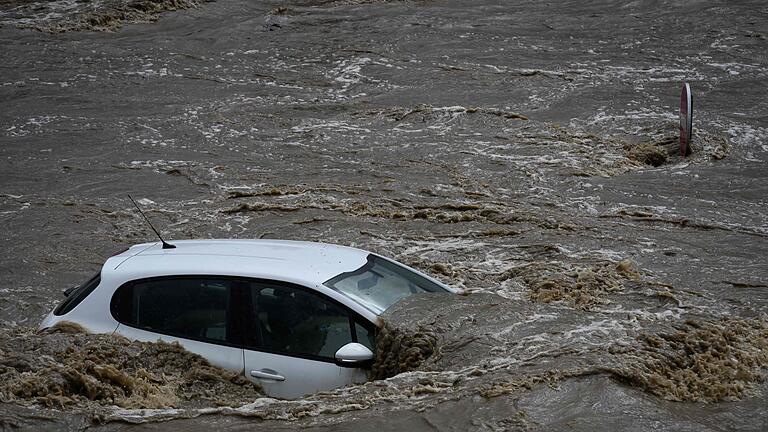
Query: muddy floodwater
{"points": [[521, 151]]}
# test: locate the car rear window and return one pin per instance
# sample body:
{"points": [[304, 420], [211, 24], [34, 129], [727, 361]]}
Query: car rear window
{"points": [[380, 283], [78, 295]]}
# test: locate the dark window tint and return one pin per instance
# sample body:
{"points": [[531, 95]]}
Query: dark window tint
{"points": [[78, 295], [195, 308], [366, 336], [293, 321]]}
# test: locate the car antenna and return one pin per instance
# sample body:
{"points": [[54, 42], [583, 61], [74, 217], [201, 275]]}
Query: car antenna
{"points": [[166, 245]]}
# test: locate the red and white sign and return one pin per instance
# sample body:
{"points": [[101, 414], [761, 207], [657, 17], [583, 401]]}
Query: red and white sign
{"points": [[686, 120]]}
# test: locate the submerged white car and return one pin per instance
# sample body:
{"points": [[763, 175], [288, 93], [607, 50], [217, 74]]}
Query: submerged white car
{"points": [[295, 317]]}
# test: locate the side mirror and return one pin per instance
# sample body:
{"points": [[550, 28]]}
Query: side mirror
{"points": [[354, 355]]}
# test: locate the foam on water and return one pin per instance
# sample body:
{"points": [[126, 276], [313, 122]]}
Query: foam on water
{"points": [[526, 155]]}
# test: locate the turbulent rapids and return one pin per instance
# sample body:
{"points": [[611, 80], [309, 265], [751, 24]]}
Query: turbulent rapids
{"points": [[453, 347], [490, 337], [526, 154], [105, 15], [67, 368]]}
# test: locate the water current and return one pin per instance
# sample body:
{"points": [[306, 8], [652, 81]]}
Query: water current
{"points": [[523, 152]]}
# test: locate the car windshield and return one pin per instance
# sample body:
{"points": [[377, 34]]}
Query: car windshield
{"points": [[381, 283]]}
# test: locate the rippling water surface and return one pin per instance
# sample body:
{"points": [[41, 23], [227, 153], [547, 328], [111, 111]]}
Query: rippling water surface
{"points": [[522, 151]]}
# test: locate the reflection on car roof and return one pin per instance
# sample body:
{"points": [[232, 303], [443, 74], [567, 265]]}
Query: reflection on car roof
{"points": [[287, 260]]}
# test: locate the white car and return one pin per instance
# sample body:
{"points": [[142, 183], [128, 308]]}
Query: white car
{"points": [[295, 317]]}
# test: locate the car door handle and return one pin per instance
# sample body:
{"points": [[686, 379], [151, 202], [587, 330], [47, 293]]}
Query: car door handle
{"points": [[267, 374]]}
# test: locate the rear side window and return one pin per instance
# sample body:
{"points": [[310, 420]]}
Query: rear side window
{"points": [[193, 308], [78, 295]]}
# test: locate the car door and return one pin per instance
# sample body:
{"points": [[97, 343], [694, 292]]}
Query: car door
{"points": [[294, 335], [195, 311]]}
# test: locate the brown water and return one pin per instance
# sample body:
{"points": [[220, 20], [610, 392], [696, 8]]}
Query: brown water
{"points": [[518, 151], [66, 368]]}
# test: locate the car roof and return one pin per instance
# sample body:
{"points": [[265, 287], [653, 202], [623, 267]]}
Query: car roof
{"points": [[308, 263]]}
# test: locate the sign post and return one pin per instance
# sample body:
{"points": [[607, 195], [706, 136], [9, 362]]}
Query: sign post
{"points": [[686, 120]]}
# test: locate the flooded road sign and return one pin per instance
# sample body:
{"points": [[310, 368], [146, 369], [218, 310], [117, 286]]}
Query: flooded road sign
{"points": [[686, 120]]}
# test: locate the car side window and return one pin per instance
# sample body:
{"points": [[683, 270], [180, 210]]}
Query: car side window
{"points": [[194, 308], [296, 322], [366, 336]]}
